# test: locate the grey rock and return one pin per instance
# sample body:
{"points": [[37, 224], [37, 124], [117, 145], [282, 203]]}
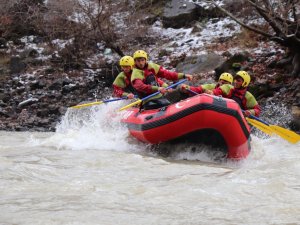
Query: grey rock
{"points": [[27, 102], [178, 14], [199, 64]]}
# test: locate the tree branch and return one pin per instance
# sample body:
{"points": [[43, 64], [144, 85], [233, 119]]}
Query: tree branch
{"points": [[240, 22], [272, 23]]}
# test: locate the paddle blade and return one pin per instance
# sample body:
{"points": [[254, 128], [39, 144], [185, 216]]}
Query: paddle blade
{"points": [[263, 127], [286, 134], [86, 105], [131, 104]]}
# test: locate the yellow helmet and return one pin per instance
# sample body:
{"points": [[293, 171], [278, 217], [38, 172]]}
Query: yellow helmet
{"points": [[127, 61], [226, 76], [140, 54], [246, 77]]}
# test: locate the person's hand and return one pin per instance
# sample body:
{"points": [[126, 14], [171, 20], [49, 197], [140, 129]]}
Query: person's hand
{"points": [[246, 113], [184, 88], [189, 77], [210, 92], [170, 90], [130, 96], [162, 90]]}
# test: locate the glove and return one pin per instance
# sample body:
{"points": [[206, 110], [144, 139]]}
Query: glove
{"points": [[246, 113], [130, 96]]}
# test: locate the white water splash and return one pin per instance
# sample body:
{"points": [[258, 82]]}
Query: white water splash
{"points": [[99, 128], [96, 127]]}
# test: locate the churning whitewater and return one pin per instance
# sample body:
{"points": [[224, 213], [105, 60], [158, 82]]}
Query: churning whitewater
{"points": [[90, 171]]}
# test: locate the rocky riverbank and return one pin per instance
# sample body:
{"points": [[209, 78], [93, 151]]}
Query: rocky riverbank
{"points": [[37, 100], [40, 79]]}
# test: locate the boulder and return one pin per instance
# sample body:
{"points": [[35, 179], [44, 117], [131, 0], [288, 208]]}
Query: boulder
{"points": [[233, 64], [179, 14], [200, 64]]}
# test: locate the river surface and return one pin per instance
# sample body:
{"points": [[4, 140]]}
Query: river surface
{"points": [[91, 172]]}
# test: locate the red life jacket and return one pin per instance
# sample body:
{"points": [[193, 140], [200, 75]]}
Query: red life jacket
{"points": [[238, 95]]}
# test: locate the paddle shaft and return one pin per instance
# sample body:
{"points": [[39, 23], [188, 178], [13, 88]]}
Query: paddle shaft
{"points": [[97, 103], [114, 99], [269, 129], [156, 93], [150, 96], [256, 118], [193, 92]]}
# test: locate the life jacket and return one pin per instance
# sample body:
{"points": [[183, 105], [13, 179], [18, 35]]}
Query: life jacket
{"points": [[151, 80], [243, 97], [148, 75], [130, 89], [123, 82], [238, 95]]}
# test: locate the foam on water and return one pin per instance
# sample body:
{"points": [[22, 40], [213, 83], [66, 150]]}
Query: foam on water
{"points": [[99, 128], [96, 127], [92, 166]]}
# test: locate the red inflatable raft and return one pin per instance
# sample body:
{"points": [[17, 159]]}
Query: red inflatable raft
{"points": [[219, 118]]}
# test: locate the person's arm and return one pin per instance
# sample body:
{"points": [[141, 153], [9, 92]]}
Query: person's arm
{"points": [[191, 90], [118, 85], [254, 112], [257, 110], [161, 83], [140, 86], [208, 86], [119, 92], [223, 90], [198, 89], [251, 105], [171, 75], [218, 91]]}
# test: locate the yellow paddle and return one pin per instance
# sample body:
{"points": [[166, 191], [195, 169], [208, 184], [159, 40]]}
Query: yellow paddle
{"points": [[264, 128], [269, 129], [286, 134], [97, 103], [150, 96]]}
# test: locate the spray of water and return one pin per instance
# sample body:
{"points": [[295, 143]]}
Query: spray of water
{"points": [[276, 114], [97, 127], [100, 128]]}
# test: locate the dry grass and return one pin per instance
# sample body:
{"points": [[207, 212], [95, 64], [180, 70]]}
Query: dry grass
{"points": [[245, 39]]}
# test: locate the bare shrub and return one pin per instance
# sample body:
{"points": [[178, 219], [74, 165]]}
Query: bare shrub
{"points": [[117, 24], [282, 18], [90, 22], [18, 17]]}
